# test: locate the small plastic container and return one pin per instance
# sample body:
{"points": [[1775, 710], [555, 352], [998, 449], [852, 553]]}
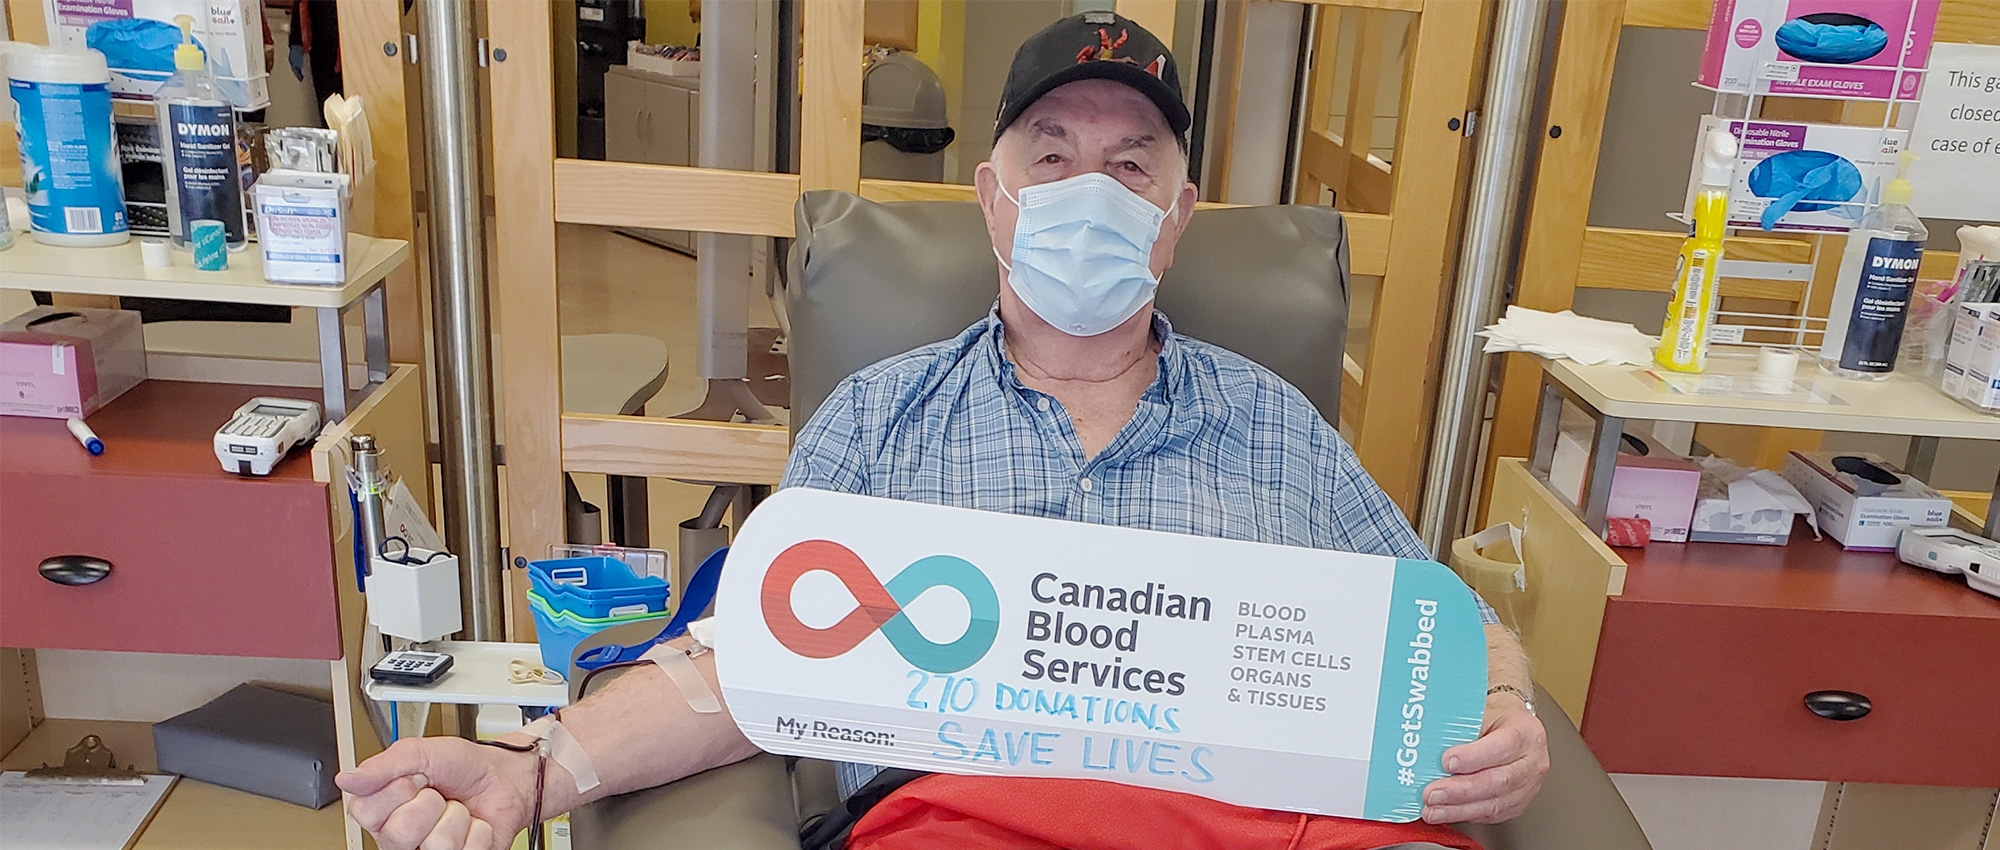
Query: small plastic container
{"points": [[645, 562], [76, 197], [558, 633], [621, 614], [595, 586]]}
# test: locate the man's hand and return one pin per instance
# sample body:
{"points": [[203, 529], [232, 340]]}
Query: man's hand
{"points": [[1496, 775], [442, 794]]}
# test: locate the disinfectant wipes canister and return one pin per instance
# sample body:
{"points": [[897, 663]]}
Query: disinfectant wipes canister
{"points": [[69, 164]]}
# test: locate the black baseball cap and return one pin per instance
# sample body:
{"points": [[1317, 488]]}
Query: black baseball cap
{"points": [[1093, 45]]}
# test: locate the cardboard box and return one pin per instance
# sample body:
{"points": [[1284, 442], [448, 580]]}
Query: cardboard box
{"points": [[1871, 150], [1657, 486], [1972, 362], [58, 362], [1861, 513], [1743, 56], [231, 32]]}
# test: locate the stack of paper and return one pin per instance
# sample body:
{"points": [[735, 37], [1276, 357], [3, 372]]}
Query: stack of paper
{"points": [[1568, 335]]}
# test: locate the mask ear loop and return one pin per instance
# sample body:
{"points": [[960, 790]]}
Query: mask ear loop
{"points": [[1017, 206]]}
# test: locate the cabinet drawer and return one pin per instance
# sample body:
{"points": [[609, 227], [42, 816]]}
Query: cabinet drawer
{"points": [[200, 565], [1718, 690]]}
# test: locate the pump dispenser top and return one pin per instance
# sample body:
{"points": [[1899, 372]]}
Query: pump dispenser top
{"points": [[188, 56], [1898, 190], [1718, 158]]}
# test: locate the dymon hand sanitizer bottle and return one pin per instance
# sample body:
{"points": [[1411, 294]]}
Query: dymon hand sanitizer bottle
{"points": [[1871, 296], [198, 146]]}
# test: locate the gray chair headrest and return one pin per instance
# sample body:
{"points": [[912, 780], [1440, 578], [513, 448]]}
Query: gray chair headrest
{"points": [[869, 281]]}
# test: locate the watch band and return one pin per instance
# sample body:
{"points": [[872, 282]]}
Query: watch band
{"points": [[1526, 700]]}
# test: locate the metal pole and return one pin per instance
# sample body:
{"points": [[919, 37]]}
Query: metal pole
{"points": [[371, 479], [458, 306], [1505, 130], [1288, 188]]}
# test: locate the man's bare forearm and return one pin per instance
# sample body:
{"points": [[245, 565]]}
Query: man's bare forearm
{"points": [[639, 732], [1506, 662]]}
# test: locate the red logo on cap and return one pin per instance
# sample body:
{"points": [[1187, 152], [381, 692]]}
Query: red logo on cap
{"points": [[1106, 49]]}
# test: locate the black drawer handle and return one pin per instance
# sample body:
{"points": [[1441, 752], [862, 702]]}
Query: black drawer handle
{"points": [[75, 569], [1838, 705]]}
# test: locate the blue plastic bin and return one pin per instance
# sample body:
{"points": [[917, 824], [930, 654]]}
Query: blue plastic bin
{"points": [[558, 634], [596, 586]]}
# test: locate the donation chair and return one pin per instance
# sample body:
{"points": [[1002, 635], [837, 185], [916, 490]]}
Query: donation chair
{"points": [[872, 280]]}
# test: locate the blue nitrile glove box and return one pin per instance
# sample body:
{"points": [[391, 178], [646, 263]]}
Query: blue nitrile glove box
{"points": [[255, 739]]}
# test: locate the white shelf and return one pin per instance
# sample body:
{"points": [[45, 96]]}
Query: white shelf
{"points": [[1898, 405], [117, 270], [478, 676]]}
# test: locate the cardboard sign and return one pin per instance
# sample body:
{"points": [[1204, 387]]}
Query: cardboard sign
{"points": [[1957, 136], [883, 632]]}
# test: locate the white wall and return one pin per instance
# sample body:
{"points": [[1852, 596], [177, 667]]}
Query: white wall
{"points": [[1264, 104]]}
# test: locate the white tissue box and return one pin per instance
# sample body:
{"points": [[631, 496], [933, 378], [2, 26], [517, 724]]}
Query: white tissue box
{"points": [[1715, 522]]}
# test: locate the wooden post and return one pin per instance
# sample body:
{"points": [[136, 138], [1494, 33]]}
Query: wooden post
{"points": [[1364, 82], [1401, 374], [1559, 208], [524, 282], [830, 123], [27, 22], [370, 73]]}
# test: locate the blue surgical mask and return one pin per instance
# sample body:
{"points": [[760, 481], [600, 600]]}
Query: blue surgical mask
{"points": [[1083, 249]]}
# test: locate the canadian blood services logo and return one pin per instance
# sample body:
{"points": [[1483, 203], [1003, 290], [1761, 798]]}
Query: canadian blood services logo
{"points": [[881, 606]]}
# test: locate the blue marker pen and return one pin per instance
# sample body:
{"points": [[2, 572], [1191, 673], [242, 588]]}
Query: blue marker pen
{"points": [[86, 436]]}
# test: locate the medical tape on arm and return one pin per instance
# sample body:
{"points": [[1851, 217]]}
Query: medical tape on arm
{"points": [[678, 664], [566, 750]]}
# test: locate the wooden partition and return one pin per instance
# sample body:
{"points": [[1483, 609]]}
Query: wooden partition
{"points": [[1402, 211], [1563, 253], [534, 190]]}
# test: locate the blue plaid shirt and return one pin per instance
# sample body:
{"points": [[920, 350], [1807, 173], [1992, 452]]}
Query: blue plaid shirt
{"points": [[1219, 447]]}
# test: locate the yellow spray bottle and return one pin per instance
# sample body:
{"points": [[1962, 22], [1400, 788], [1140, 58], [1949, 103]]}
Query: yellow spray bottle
{"points": [[1691, 312]]}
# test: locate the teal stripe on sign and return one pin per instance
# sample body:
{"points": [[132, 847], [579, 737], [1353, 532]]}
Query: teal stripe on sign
{"points": [[1433, 687]]}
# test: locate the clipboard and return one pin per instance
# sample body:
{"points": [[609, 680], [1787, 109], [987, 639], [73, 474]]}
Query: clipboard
{"points": [[88, 802]]}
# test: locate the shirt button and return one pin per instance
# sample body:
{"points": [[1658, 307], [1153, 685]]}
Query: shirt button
{"points": [[1043, 404], [1085, 484]]}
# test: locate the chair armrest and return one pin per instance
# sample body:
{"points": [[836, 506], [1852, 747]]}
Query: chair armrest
{"points": [[1578, 808], [743, 806]]}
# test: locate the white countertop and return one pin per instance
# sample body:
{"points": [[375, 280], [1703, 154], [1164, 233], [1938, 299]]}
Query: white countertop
{"points": [[478, 676], [1822, 402], [117, 270]]}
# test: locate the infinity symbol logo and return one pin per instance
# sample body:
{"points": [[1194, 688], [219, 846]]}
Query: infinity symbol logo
{"points": [[881, 606]]}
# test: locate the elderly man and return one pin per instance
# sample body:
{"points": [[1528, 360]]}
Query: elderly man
{"points": [[1072, 399]]}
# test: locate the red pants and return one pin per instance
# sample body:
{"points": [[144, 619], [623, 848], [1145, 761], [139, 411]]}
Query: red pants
{"points": [[1080, 814]]}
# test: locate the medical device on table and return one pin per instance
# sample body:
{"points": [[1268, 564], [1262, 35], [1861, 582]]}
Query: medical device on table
{"points": [[262, 431], [1953, 552]]}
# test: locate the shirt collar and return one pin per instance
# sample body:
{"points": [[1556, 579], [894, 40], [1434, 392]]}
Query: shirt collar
{"points": [[1171, 373]]}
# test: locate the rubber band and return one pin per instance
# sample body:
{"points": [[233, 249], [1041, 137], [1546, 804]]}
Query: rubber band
{"points": [[564, 748], [678, 664], [528, 673]]}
